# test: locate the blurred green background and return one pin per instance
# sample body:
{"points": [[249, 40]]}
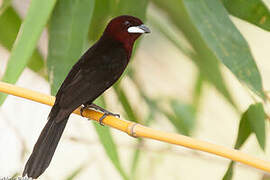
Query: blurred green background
{"points": [[195, 74]]}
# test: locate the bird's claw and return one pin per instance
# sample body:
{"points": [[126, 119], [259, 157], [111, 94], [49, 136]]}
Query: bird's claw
{"points": [[116, 115], [81, 110], [105, 115]]}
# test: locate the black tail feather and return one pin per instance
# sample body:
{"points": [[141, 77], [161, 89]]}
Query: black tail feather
{"points": [[45, 148]]}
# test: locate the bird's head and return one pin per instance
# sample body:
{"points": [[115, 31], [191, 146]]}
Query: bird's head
{"points": [[126, 29]]}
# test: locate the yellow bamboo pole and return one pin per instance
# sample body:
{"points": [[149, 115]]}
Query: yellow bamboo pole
{"points": [[137, 130]]}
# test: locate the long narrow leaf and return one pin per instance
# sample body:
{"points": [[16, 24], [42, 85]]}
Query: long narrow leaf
{"points": [[229, 173], [226, 45], [102, 12], [107, 141], [256, 117], [105, 138], [252, 121], [130, 7], [253, 11], [75, 173], [131, 115], [197, 92], [183, 117], [10, 24], [36, 19], [135, 159], [203, 24], [5, 4], [137, 153], [208, 68], [244, 131], [68, 33]]}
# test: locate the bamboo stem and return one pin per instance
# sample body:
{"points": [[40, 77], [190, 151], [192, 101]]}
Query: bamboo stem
{"points": [[138, 130]]}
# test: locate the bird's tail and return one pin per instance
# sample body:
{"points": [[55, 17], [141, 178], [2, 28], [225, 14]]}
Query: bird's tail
{"points": [[45, 145]]}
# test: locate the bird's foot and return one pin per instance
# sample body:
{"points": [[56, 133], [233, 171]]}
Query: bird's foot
{"points": [[94, 106], [107, 113]]}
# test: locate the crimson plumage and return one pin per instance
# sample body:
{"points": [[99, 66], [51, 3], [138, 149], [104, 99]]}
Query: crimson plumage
{"points": [[97, 70]]}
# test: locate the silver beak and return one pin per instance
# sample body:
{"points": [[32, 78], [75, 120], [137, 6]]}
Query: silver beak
{"points": [[141, 29]]}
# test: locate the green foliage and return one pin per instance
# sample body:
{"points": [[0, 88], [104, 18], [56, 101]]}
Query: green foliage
{"points": [[105, 138], [121, 94], [252, 121], [229, 173], [131, 7], [73, 24], [244, 131], [10, 24], [5, 4], [27, 40], [208, 68], [203, 24], [102, 12], [252, 11], [68, 34], [75, 173], [197, 92], [183, 117]]}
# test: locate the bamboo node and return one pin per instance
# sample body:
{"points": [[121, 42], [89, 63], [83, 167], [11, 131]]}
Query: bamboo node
{"points": [[130, 129]]}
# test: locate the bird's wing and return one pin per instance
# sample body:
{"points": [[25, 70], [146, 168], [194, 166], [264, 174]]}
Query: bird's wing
{"points": [[84, 85], [80, 89]]}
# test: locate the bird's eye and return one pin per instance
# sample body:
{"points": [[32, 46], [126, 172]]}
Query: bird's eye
{"points": [[127, 23]]}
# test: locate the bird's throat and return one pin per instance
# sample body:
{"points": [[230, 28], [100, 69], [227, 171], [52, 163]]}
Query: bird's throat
{"points": [[128, 47]]}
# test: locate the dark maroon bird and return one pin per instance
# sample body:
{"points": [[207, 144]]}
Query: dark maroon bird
{"points": [[97, 70]]}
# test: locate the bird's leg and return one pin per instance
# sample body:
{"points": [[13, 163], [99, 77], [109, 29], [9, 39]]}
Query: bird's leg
{"points": [[96, 107]]}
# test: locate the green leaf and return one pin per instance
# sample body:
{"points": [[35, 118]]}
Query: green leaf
{"points": [[252, 121], [244, 131], [10, 24], [67, 37], [255, 115], [130, 7], [27, 40], [168, 33], [106, 139], [211, 70], [203, 24], [253, 11], [110, 148], [121, 94], [152, 105], [75, 173], [229, 173], [5, 4], [208, 68], [197, 92], [183, 118], [135, 159], [102, 12], [36, 63], [137, 153]]}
